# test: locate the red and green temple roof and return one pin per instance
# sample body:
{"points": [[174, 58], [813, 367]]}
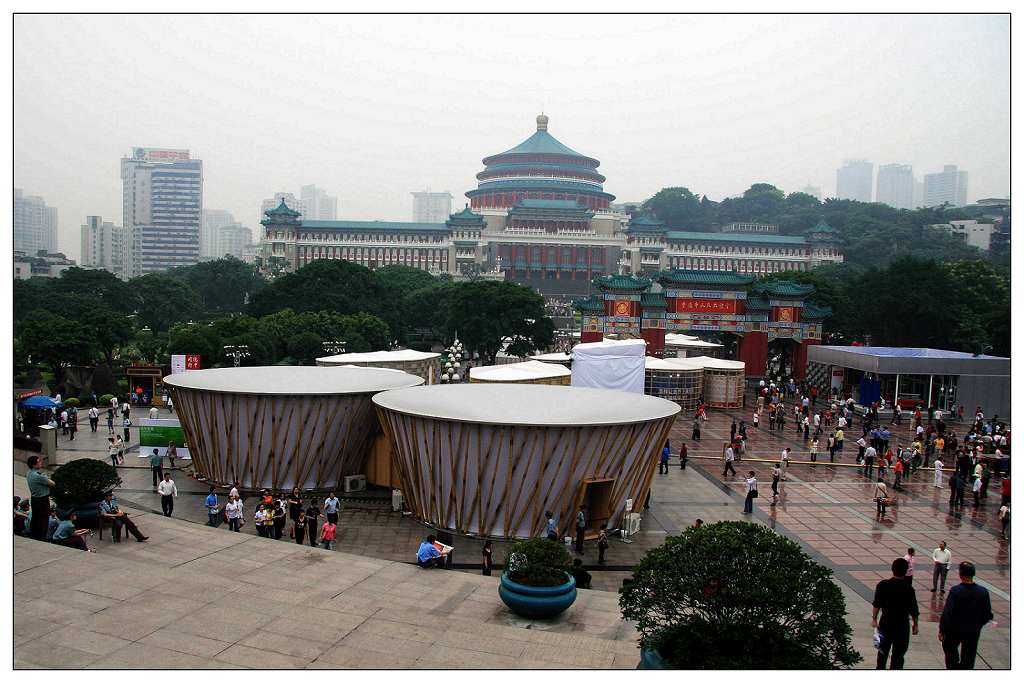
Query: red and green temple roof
{"points": [[784, 288], [681, 276], [589, 305], [283, 213], [653, 300], [623, 282], [815, 312], [645, 224]]}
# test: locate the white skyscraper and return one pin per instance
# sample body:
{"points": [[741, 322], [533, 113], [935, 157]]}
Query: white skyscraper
{"points": [[321, 205], [947, 187], [232, 240], [895, 186], [853, 180], [213, 220], [162, 203], [431, 207], [35, 224], [104, 245]]}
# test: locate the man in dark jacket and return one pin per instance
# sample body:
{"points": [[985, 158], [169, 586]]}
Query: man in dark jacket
{"points": [[968, 608], [898, 604]]}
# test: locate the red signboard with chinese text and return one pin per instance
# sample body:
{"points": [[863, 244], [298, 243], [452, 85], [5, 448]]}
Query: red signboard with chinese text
{"points": [[727, 306], [192, 362]]}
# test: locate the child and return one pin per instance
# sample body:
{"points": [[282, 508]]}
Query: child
{"points": [[327, 532]]}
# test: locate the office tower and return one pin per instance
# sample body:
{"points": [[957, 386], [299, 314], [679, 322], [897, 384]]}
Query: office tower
{"points": [[947, 187], [232, 240], [431, 207], [853, 180], [895, 186], [213, 220], [162, 203], [35, 224], [104, 245], [321, 206], [812, 190]]}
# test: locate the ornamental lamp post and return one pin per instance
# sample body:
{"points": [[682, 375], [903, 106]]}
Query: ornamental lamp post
{"points": [[237, 353]]}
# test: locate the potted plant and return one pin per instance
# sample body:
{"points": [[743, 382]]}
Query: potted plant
{"points": [[736, 595], [80, 485], [536, 583]]}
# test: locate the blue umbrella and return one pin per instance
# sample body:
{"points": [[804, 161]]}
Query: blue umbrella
{"points": [[40, 402]]}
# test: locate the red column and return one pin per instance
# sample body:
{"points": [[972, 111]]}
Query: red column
{"points": [[655, 338], [800, 358], [587, 337], [753, 350]]}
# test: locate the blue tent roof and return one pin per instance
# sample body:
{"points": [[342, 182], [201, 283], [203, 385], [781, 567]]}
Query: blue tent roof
{"points": [[40, 402]]}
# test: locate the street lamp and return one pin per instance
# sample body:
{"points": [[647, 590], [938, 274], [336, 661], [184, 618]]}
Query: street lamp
{"points": [[334, 347], [237, 353]]}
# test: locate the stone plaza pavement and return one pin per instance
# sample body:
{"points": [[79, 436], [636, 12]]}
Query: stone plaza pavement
{"points": [[826, 509]]}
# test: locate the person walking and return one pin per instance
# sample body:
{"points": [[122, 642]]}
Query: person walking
{"points": [[695, 436], [172, 454], [94, 419], [968, 608], [881, 498], [663, 464], [313, 521], [941, 557], [487, 558], [299, 528], [73, 423], [170, 404], [156, 464], [814, 450], [112, 452], [776, 476], [869, 461], [550, 527], [910, 557], [234, 511], [757, 419], [682, 456], [39, 484], [212, 508], [958, 490], [729, 456], [895, 599], [581, 527], [110, 420], [168, 492], [328, 532], [602, 543], [331, 507], [126, 424], [938, 473], [1004, 520], [976, 491], [748, 503], [785, 462]]}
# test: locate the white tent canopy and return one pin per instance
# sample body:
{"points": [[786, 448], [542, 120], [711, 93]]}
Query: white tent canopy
{"points": [[518, 372], [717, 363], [610, 364], [559, 357], [377, 357]]}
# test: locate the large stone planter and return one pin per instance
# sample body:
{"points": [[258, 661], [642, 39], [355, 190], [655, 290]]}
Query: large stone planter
{"points": [[534, 602]]}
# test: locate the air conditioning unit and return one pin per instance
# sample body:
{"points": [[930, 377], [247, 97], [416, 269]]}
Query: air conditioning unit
{"points": [[355, 482], [633, 523]]}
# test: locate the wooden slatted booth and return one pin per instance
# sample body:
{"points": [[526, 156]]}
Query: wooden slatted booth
{"points": [[724, 381], [489, 459], [279, 427], [674, 379], [420, 363]]}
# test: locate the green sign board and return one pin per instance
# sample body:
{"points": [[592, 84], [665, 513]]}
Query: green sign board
{"points": [[161, 435]]}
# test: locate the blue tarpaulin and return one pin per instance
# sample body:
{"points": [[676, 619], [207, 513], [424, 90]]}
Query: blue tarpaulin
{"points": [[40, 402]]}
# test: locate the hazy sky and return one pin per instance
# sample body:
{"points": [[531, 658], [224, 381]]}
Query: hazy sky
{"points": [[371, 108]]}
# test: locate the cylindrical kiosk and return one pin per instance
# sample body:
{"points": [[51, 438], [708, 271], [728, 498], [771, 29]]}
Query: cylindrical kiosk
{"points": [[490, 459], [279, 427], [419, 363], [559, 358], [686, 346], [724, 381], [674, 379], [529, 372]]}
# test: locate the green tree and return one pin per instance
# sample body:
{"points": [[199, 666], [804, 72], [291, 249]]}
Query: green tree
{"points": [[323, 285], [224, 285], [736, 595], [678, 208], [488, 315], [57, 342], [306, 347], [98, 286], [201, 340], [165, 300]]}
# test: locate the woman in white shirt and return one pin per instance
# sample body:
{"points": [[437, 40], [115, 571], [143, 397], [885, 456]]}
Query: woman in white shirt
{"points": [[233, 511], [748, 504]]}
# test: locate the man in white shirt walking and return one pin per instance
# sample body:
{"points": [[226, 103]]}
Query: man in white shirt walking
{"points": [[168, 492], [938, 473], [941, 558], [729, 457]]}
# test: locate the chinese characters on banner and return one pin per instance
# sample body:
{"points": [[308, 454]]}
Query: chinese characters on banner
{"points": [[727, 306], [192, 362], [181, 363]]}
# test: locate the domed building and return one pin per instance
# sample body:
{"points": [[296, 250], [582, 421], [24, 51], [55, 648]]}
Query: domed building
{"points": [[542, 168]]}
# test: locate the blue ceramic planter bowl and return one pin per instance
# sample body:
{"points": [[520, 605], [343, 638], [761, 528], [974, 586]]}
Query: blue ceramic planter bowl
{"points": [[533, 602], [652, 660]]}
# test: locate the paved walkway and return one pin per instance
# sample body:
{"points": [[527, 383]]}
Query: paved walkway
{"points": [[828, 510]]}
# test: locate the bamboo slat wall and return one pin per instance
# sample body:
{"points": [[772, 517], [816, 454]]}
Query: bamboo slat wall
{"points": [[684, 386], [724, 388], [551, 381], [274, 441], [497, 480]]}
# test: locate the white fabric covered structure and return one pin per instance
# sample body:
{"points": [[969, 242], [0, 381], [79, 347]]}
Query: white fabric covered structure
{"points": [[560, 358], [529, 372], [419, 363], [610, 364]]}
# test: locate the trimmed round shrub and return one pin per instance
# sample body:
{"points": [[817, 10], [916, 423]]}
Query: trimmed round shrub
{"points": [[83, 481], [736, 595], [72, 402], [538, 562], [105, 399]]}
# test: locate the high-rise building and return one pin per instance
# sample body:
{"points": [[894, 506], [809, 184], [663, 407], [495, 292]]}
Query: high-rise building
{"points": [[213, 220], [812, 190], [895, 186], [947, 187], [35, 224], [104, 245], [918, 194], [232, 240], [853, 180], [321, 205], [431, 207], [162, 203]]}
